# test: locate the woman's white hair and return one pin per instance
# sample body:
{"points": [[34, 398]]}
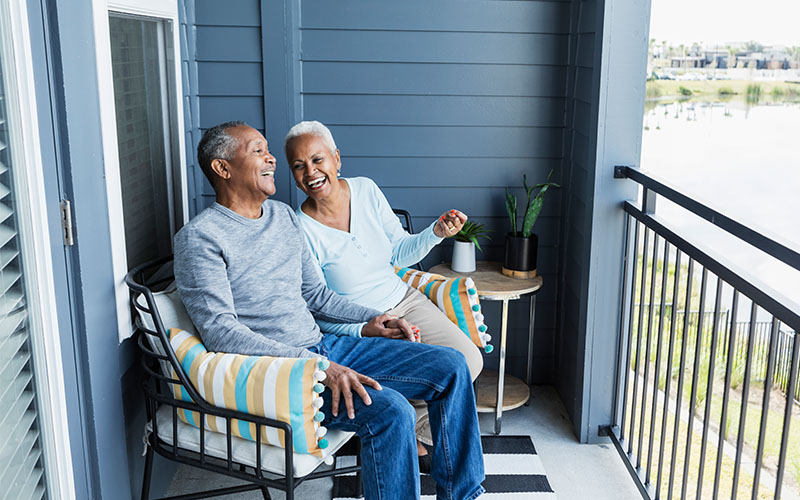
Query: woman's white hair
{"points": [[313, 128]]}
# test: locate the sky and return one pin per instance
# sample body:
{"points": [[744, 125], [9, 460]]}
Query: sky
{"points": [[770, 22]]}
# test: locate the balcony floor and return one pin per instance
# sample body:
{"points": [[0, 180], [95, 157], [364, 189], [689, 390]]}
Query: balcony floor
{"points": [[576, 471]]}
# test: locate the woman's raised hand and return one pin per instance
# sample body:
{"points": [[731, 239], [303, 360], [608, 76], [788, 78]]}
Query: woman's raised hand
{"points": [[449, 223]]}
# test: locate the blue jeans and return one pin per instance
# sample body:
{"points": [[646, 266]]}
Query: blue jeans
{"points": [[406, 370]]}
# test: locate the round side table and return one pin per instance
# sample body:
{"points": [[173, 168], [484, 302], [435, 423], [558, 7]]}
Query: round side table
{"points": [[493, 285]]}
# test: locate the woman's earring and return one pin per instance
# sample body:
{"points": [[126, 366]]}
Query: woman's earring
{"points": [[339, 172]]}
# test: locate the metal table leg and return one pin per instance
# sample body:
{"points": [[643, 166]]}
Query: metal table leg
{"points": [[501, 370], [529, 375]]}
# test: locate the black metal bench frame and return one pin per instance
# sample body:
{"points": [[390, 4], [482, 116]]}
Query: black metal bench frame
{"points": [[142, 280]]}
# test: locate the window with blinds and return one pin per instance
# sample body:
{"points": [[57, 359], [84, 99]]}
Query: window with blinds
{"points": [[21, 459]]}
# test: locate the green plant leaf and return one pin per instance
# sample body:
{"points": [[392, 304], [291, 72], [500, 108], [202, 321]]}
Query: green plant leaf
{"points": [[531, 215], [477, 245], [471, 232], [511, 208]]}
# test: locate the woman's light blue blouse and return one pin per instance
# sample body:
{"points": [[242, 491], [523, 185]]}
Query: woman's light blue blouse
{"points": [[359, 265]]}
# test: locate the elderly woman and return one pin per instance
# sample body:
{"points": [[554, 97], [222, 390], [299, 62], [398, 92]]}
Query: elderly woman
{"points": [[357, 240]]}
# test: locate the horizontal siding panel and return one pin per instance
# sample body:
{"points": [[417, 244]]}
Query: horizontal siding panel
{"points": [[583, 123], [433, 79], [547, 263], [452, 172], [418, 15], [546, 227], [229, 44], [578, 213], [585, 57], [230, 79], [581, 180], [479, 202], [587, 19], [492, 142], [397, 46], [435, 110], [584, 81], [238, 13], [581, 148], [576, 242], [215, 110]]}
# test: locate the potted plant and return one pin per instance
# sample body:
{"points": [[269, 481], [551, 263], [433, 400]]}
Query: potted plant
{"points": [[522, 245], [464, 246]]}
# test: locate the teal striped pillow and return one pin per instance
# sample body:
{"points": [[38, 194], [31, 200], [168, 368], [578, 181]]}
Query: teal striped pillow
{"points": [[285, 389]]}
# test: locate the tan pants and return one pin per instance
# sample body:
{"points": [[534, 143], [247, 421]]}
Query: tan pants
{"points": [[435, 329]]}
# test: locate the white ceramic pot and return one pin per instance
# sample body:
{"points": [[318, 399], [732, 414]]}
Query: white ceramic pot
{"points": [[463, 257]]}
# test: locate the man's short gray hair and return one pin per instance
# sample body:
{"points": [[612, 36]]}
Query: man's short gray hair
{"points": [[313, 128], [217, 144]]}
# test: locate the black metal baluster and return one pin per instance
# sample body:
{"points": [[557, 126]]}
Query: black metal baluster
{"points": [[773, 341], [730, 360], [670, 355], [787, 415], [630, 334], [622, 369], [659, 338], [745, 393], [638, 344], [695, 374], [648, 342], [681, 369], [202, 438], [709, 386]]}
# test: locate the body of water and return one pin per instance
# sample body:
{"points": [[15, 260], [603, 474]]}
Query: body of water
{"points": [[744, 161]]}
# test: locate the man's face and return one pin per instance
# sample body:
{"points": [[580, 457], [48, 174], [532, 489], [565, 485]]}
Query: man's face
{"points": [[252, 169]]}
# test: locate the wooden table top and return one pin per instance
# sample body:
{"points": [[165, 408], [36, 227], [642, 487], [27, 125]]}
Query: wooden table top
{"points": [[490, 281]]}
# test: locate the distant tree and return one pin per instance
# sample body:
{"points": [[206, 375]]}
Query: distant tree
{"points": [[753, 46]]}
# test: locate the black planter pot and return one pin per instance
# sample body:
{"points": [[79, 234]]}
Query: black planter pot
{"points": [[521, 252]]}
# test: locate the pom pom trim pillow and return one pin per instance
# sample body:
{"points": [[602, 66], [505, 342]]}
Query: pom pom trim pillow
{"points": [[285, 389], [457, 298]]}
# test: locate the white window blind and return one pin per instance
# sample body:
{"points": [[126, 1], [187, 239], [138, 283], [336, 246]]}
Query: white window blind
{"points": [[21, 456]]}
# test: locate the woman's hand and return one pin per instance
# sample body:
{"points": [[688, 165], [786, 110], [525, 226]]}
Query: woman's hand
{"points": [[449, 224], [342, 381], [390, 327]]}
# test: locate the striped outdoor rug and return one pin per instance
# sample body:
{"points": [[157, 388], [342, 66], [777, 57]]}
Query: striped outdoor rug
{"points": [[513, 472]]}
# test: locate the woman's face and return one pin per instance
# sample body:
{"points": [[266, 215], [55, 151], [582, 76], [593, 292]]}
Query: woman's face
{"points": [[313, 165]]}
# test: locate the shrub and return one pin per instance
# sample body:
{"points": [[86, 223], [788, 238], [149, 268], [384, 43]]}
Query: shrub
{"points": [[753, 92], [652, 91], [726, 91], [684, 91]]}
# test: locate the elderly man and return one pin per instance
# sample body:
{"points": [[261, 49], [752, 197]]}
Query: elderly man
{"points": [[250, 286]]}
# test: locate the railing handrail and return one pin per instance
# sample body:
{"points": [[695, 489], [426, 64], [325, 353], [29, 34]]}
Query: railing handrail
{"points": [[767, 244], [770, 300]]}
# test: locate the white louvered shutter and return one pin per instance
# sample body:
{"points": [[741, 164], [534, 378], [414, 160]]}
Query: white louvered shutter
{"points": [[21, 460]]}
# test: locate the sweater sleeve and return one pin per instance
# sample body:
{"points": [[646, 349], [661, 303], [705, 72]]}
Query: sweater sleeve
{"points": [[341, 329], [407, 249], [201, 276]]}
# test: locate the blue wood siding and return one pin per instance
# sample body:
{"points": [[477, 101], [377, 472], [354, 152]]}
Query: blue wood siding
{"points": [[444, 105], [578, 177], [225, 46]]}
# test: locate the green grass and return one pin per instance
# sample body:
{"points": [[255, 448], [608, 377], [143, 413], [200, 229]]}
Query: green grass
{"points": [[670, 369], [714, 89]]}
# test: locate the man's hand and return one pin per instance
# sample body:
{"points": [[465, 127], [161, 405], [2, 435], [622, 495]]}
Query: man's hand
{"points": [[342, 382], [390, 327]]}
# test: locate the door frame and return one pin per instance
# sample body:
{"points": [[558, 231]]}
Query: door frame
{"points": [[36, 250]]}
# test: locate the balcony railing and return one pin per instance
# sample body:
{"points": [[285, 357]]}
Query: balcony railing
{"points": [[705, 399]]}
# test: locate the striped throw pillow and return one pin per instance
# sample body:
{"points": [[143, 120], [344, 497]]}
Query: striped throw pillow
{"points": [[456, 297], [285, 389]]}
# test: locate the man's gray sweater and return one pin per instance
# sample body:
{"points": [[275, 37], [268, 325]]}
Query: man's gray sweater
{"points": [[250, 285]]}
